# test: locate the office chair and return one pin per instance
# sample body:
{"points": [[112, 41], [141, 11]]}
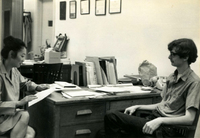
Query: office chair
{"points": [[186, 131], [46, 73], [5, 136]]}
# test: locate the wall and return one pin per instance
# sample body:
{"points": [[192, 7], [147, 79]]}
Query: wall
{"points": [[4, 6], [35, 7], [47, 31], [141, 32], [42, 12]]}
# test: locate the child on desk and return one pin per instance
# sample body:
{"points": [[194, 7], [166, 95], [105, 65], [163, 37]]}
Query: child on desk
{"points": [[13, 120]]}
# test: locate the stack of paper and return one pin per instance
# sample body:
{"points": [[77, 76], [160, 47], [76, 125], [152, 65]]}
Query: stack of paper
{"points": [[121, 88], [64, 84], [81, 93], [111, 90], [43, 94]]}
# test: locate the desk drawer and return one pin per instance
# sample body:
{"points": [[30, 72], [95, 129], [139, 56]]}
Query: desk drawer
{"points": [[81, 113], [115, 105], [81, 131]]}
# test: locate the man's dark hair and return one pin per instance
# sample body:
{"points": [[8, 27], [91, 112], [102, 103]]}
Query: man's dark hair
{"points": [[184, 48]]}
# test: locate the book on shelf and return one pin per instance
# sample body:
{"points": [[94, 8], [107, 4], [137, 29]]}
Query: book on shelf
{"points": [[91, 73], [82, 73], [95, 60], [106, 71]]}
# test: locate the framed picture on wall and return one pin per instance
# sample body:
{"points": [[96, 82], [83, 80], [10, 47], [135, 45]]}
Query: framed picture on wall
{"points": [[115, 6], [100, 7], [85, 7], [63, 10], [72, 9]]}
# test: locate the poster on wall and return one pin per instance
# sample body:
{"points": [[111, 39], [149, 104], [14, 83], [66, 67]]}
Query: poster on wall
{"points": [[85, 7], [114, 6], [63, 10], [72, 9], [100, 7]]}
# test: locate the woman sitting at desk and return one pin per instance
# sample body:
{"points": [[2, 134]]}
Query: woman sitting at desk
{"points": [[12, 119]]}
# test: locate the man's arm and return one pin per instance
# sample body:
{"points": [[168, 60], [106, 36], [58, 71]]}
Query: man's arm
{"points": [[132, 109], [187, 119]]}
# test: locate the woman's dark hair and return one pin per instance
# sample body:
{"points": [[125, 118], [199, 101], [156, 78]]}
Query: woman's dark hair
{"points": [[11, 43], [184, 48]]}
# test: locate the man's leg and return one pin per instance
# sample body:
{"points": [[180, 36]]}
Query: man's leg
{"points": [[118, 124]]}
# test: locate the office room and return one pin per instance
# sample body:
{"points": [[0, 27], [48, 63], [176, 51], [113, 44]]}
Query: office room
{"points": [[141, 31]]}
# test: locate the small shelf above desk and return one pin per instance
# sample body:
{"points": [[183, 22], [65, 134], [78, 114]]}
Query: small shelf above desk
{"points": [[27, 71]]}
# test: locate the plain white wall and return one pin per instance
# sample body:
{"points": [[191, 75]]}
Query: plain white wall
{"points": [[141, 32], [47, 31], [36, 9]]}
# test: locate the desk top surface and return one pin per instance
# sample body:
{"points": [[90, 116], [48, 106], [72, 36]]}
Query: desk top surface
{"points": [[57, 98]]}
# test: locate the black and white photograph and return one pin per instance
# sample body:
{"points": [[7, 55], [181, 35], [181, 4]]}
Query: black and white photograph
{"points": [[100, 69]]}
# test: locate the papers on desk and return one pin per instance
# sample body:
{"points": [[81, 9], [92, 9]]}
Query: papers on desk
{"points": [[64, 84], [53, 88], [70, 92], [111, 90], [82, 93], [41, 95], [121, 88]]}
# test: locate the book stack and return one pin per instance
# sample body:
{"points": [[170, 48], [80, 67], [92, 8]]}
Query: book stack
{"points": [[97, 71]]}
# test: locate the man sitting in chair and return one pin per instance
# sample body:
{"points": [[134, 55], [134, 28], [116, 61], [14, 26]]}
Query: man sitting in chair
{"points": [[180, 99]]}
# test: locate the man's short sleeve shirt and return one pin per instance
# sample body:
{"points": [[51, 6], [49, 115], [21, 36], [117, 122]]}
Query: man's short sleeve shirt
{"points": [[180, 94]]}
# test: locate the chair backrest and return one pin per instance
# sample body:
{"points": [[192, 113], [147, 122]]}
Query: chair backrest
{"points": [[46, 73], [197, 124], [197, 132]]}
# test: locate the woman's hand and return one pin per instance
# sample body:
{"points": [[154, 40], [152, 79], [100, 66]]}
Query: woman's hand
{"points": [[152, 125], [130, 110], [25, 100], [42, 87]]}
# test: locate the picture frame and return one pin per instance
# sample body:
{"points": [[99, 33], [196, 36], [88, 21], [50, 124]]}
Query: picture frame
{"points": [[72, 9], [100, 7], [115, 6], [63, 5], [58, 45], [84, 7], [61, 43]]}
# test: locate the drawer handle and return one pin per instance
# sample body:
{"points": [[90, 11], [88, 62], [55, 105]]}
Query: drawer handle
{"points": [[83, 132], [84, 112]]}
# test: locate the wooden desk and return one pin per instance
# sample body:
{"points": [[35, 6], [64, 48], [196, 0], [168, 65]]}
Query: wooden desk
{"points": [[27, 71], [58, 117]]}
